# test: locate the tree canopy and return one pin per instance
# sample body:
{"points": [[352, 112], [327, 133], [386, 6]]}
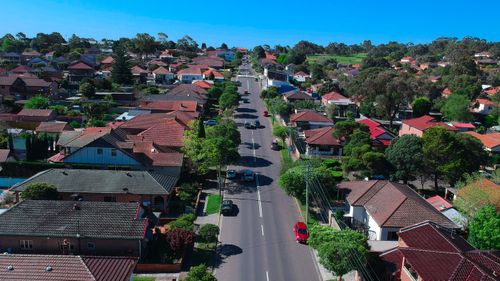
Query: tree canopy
{"points": [[40, 191], [406, 155], [484, 229]]}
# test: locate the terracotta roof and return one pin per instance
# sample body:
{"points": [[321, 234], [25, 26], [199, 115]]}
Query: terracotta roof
{"points": [[80, 66], [488, 190], [292, 95], [170, 105], [437, 253], [492, 90], [489, 140], [439, 203], [215, 73], [463, 125], [485, 102], [203, 84], [31, 53], [309, 116], [137, 70], [333, 96], [425, 122], [446, 92], [190, 70], [53, 218], [53, 127], [35, 82], [161, 70], [82, 138], [392, 204], [369, 122], [321, 136], [210, 61], [167, 133], [270, 56], [66, 267], [108, 60], [21, 69], [301, 73], [157, 62], [35, 112]]}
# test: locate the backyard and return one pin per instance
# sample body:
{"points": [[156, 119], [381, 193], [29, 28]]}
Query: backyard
{"points": [[352, 59]]}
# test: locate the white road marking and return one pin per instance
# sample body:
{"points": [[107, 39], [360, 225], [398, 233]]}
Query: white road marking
{"points": [[248, 85], [267, 275], [258, 195], [253, 148], [262, 229]]}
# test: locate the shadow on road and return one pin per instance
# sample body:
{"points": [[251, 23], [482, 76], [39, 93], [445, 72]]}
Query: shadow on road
{"points": [[250, 161], [240, 187], [224, 251], [245, 116], [249, 145], [265, 180], [244, 109]]}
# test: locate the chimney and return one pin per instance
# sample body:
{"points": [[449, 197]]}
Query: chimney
{"points": [[76, 207]]}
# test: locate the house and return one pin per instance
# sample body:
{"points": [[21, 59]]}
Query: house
{"points": [[166, 55], [10, 58], [203, 84], [440, 204], [189, 75], [407, 60], [491, 142], [342, 104], [147, 188], [483, 55], [169, 106], [80, 70], [306, 120], [216, 75], [6, 155], [131, 114], [463, 127], [275, 78], [107, 62], [382, 208], [380, 137], [29, 267], [301, 76], [53, 128], [76, 228], [417, 126], [428, 251], [295, 96], [484, 106], [139, 74], [321, 142], [36, 115], [188, 92], [25, 86], [29, 55], [213, 62], [162, 75]]}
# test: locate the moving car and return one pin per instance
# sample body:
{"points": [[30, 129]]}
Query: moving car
{"points": [[275, 145], [266, 114], [227, 207], [248, 175], [300, 231], [256, 124], [211, 122], [231, 174], [248, 125], [246, 93]]}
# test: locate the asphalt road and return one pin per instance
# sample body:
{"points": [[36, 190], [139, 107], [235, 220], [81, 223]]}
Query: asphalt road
{"points": [[258, 242]]}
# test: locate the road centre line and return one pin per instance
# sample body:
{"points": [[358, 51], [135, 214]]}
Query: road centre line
{"points": [[258, 195], [262, 229], [267, 275]]}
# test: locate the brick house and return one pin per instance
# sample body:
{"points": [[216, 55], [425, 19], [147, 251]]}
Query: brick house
{"points": [[22, 87], [321, 142], [80, 70], [380, 136], [417, 126], [36, 115], [309, 119], [79, 228]]}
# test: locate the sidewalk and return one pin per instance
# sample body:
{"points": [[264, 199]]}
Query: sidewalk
{"points": [[201, 217]]}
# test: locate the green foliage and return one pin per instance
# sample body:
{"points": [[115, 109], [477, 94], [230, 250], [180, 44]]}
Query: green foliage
{"points": [[87, 89], [304, 104], [406, 155], [338, 249], [208, 233], [279, 106], [357, 139], [185, 222], [200, 273], [344, 129], [151, 90], [484, 229], [121, 73], [215, 92], [375, 163], [188, 193], [456, 108], [281, 132], [40, 191], [228, 100], [269, 93], [421, 106], [37, 102], [75, 124], [213, 204]]}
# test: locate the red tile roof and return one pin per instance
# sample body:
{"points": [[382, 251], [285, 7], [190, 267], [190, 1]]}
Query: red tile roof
{"points": [[53, 127], [321, 136], [376, 131], [333, 96], [170, 105], [463, 125], [425, 122], [485, 102], [446, 92], [35, 112], [203, 84], [309, 116], [190, 70], [439, 203], [216, 73], [270, 56], [490, 141], [21, 69], [301, 73], [167, 133], [138, 70], [80, 66], [108, 60], [161, 70]]}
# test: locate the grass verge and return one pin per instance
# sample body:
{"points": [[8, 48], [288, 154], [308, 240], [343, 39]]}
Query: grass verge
{"points": [[141, 278], [203, 254], [213, 204]]}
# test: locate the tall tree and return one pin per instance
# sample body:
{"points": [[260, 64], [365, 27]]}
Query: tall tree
{"points": [[121, 73], [144, 44], [456, 108], [484, 227], [406, 155], [421, 106]]}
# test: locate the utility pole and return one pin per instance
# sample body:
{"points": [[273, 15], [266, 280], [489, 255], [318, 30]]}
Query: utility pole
{"points": [[307, 193]]}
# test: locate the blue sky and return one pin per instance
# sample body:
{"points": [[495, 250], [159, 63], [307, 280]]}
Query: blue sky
{"points": [[248, 23]]}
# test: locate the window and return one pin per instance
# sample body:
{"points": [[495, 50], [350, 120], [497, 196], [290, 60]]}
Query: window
{"points": [[26, 244], [99, 151], [70, 247], [91, 245], [109, 199], [392, 236], [113, 152]]}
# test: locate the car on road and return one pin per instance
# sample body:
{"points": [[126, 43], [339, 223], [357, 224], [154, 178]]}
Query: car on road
{"points": [[211, 122], [246, 93], [248, 175], [256, 124], [248, 125], [231, 174], [300, 231], [227, 207], [275, 145], [266, 114]]}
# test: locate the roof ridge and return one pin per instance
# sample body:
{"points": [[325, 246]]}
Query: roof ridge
{"points": [[479, 266], [368, 189], [395, 210], [86, 267]]}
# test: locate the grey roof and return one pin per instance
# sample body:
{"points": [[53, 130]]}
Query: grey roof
{"points": [[103, 181], [50, 218]]}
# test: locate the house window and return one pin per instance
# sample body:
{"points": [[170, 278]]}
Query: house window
{"points": [[392, 236], [99, 151], [91, 246], [109, 199], [70, 247], [113, 152], [26, 244]]}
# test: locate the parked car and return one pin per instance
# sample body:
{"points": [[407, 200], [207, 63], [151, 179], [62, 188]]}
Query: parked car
{"points": [[266, 114], [248, 175], [246, 93], [275, 145], [256, 124], [300, 231], [211, 122], [231, 174], [248, 125], [227, 207]]}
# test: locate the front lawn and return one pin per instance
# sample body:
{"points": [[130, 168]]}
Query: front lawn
{"points": [[213, 204], [142, 278]]}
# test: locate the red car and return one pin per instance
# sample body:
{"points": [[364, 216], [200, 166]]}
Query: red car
{"points": [[266, 114], [301, 233]]}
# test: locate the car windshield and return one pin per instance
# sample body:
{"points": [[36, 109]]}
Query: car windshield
{"points": [[248, 173], [302, 231]]}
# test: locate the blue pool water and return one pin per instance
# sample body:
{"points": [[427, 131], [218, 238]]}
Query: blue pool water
{"points": [[8, 182]]}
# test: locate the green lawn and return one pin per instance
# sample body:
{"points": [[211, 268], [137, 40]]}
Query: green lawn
{"points": [[139, 278], [213, 203], [353, 59]]}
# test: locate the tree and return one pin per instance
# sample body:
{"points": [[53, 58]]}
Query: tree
{"points": [[121, 73], [456, 108], [228, 100], [406, 155], [185, 222], [201, 129], [258, 52], [223, 46], [208, 233], [344, 129], [281, 132], [40, 191], [215, 92], [143, 44], [187, 44], [339, 251], [200, 273], [37, 102], [483, 229], [421, 106], [279, 106], [162, 37], [179, 240], [375, 163], [87, 89]]}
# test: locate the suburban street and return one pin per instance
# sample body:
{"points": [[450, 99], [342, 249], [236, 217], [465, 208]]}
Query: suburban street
{"points": [[258, 243]]}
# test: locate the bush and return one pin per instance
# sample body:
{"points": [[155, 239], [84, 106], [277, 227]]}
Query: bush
{"points": [[40, 191], [185, 222], [179, 240], [208, 233], [75, 124]]}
